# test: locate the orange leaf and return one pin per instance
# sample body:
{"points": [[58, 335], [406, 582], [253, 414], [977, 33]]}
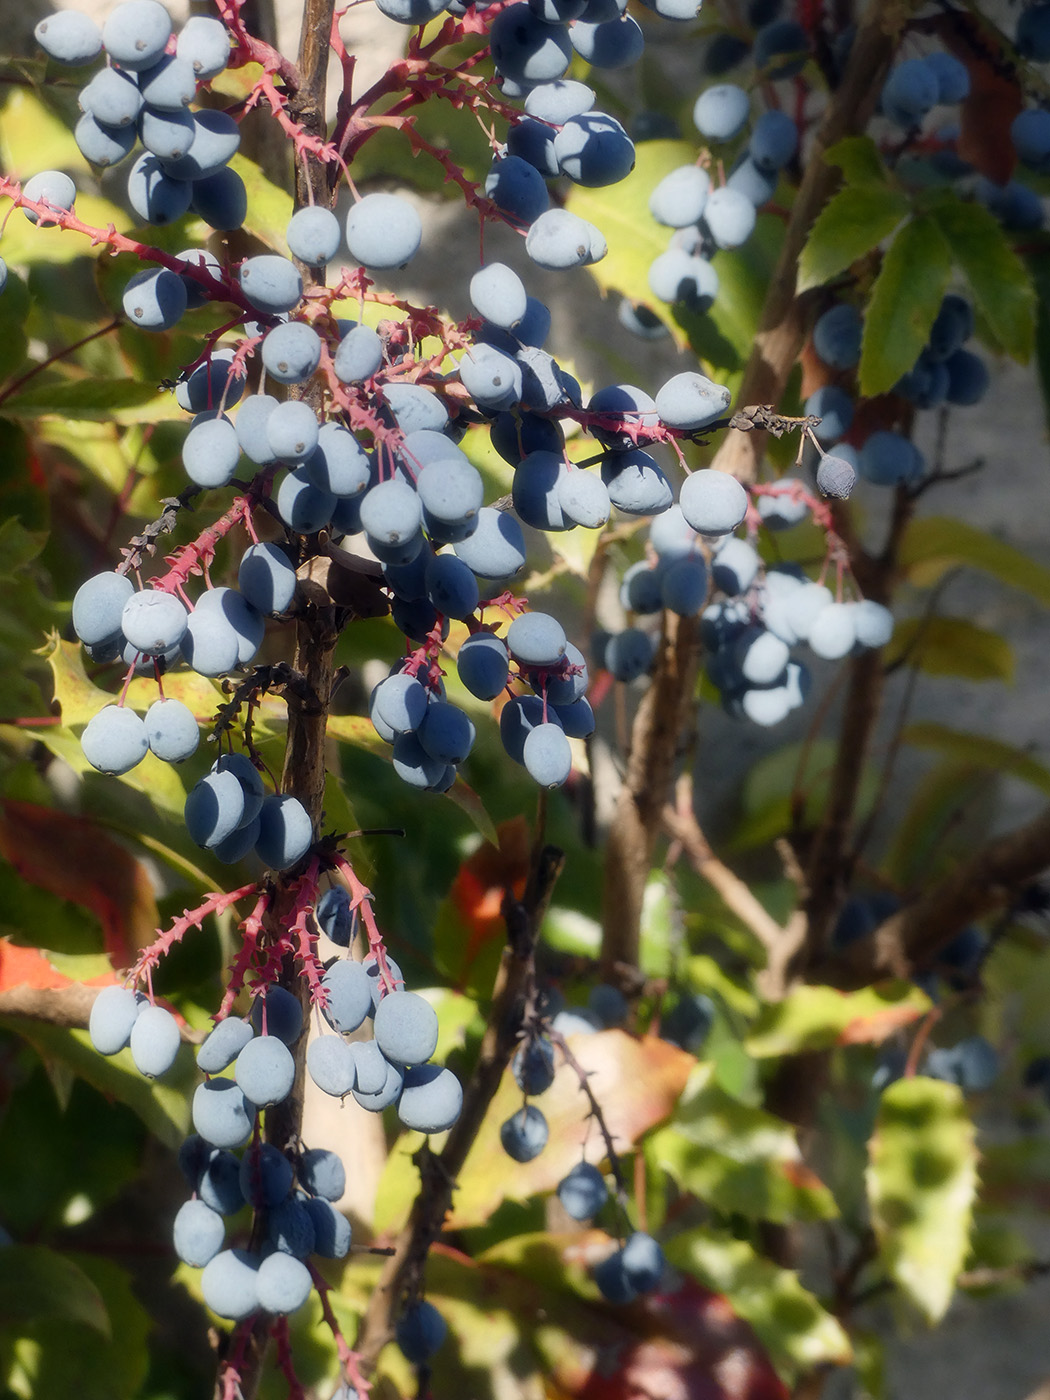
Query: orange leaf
{"points": [[873, 1030], [636, 1081], [26, 967], [75, 859], [483, 880]]}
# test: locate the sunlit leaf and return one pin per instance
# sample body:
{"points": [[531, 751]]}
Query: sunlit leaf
{"points": [[527, 1322], [790, 1322], [622, 213], [851, 224], [107, 400], [269, 207], [817, 1018], [739, 1159], [660, 925], [637, 1082], [922, 1181]]}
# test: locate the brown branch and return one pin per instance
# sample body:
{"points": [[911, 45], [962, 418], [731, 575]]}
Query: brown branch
{"points": [[988, 880], [316, 634], [990, 1277], [594, 1111], [656, 735], [54, 358], [832, 855], [829, 872], [680, 822], [780, 941], [64, 1006], [782, 326], [403, 1271]]}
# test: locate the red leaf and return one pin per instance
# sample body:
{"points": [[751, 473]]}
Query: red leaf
{"points": [[873, 1030], [25, 967], [75, 859], [529, 1298], [994, 100], [483, 880], [688, 1343]]}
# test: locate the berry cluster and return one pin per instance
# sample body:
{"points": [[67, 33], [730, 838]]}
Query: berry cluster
{"points": [[636, 1266], [290, 1193], [706, 219]]}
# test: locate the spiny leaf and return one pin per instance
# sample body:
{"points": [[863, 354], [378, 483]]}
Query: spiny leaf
{"points": [[1001, 284], [738, 1159], [90, 398], [904, 303], [851, 224], [816, 1018], [922, 1181], [789, 1320]]}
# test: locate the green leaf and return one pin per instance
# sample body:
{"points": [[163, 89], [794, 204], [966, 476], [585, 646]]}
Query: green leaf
{"points": [[36, 1282], [704, 974], [660, 926], [851, 224], [18, 547], [1001, 284], [930, 835], [359, 731], [934, 544], [26, 244], [790, 1322], [162, 1105], [769, 791], [922, 1181], [1040, 270], [65, 1361], [622, 213], [817, 1018], [743, 279], [951, 646], [859, 160], [104, 399], [269, 207], [904, 302], [979, 751], [738, 1159]]}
